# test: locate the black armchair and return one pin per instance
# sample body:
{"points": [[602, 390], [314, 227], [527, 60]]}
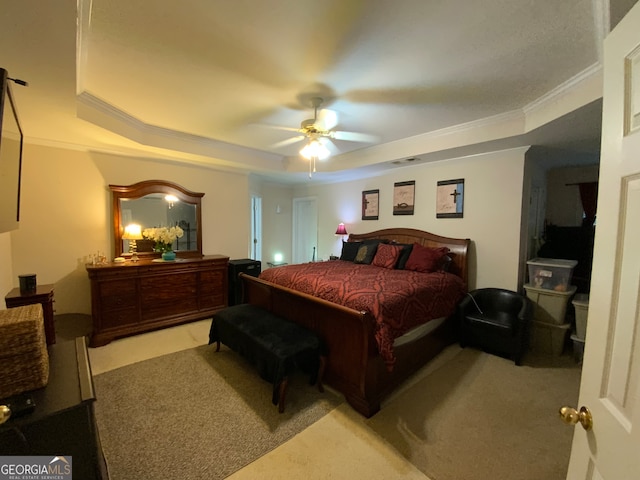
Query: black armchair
{"points": [[497, 321]]}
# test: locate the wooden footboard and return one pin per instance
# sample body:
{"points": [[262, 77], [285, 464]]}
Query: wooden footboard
{"points": [[354, 366]]}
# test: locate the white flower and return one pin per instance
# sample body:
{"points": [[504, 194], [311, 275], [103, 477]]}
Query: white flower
{"points": [[163, 236]]}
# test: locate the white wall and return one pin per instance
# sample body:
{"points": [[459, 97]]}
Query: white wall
{"points": [[276, 222], [492, 210], [66, 214]]}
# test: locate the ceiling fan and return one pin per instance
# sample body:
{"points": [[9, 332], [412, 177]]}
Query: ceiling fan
{"points": [[320, 127]]}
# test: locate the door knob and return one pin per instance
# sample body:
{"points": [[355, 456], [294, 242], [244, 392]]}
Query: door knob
{"points": [[571, 416], [5, 413]]}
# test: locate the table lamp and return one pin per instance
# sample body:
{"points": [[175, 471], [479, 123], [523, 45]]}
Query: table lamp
{"points": [[133, 232], [341, 230]]}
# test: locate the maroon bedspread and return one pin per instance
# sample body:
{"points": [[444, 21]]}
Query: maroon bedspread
{"points": [[398, 299]]}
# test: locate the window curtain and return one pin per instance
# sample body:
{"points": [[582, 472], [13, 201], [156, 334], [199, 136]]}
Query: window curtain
{"points": [[589, 198]]}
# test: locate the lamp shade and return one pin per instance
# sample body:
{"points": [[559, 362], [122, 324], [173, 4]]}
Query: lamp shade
{"points": [[341, 230], [132, 232]]}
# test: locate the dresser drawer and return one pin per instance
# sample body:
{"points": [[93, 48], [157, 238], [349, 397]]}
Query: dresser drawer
{"points": [[119, 318], [215, 300], [117, 288], [169, 288]]}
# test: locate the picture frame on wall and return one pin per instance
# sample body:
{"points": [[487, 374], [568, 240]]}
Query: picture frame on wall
{"points": [[370, 204], [450, 198], [404, 197]]}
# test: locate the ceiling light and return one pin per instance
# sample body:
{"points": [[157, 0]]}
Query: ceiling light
{"points": [[312, 151]]}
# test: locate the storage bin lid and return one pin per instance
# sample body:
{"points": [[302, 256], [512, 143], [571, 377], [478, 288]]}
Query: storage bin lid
{"points": [[581, 300], [577, 339], [552, 262]]}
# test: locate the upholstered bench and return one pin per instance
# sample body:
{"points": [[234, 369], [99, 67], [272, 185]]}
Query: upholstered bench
{"points": [[274, 345]]}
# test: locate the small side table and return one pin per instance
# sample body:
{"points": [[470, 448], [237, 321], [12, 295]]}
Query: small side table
{"points": [[43, 296]]}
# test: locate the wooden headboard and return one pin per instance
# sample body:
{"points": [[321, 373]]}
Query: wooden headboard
{"points": [[458, 247]]}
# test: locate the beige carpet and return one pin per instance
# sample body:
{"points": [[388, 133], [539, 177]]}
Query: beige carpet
{"points": [[479, 417], [196, 414]]}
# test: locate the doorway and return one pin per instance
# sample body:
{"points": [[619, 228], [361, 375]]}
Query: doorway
{"points": [[305, 230]]}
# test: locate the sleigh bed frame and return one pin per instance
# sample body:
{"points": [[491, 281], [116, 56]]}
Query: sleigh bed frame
{"points": [[354, 366]]}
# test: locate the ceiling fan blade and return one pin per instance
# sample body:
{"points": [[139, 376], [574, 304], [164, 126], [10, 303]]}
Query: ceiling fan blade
{"points": [[355, 137], [330, 146], [278, 127], [288, 141], [327, 119]]}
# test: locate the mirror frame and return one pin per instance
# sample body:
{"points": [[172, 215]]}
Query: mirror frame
{"points": [[140, 189]]}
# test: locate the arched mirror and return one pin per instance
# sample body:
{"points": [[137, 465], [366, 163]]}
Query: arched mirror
{"points": [[157, 203]]}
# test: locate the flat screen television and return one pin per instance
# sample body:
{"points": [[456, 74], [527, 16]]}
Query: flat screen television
{"points": [[10, 157]]}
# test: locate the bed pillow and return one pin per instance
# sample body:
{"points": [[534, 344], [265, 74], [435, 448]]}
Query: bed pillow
{"points": [[404, 255], [366, 252], [349, 250], [387, 256], [425, 259], [445, 264]]}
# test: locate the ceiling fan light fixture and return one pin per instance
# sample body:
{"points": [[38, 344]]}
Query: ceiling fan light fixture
{"points": [[315, 150], [312, 151]]}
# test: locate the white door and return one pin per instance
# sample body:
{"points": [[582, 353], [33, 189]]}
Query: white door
{"points": [[305, 230], [610, 386]]}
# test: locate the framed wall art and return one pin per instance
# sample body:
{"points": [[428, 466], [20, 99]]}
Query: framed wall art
{"points": [[370, 204], [450, 198], [404, 197]]}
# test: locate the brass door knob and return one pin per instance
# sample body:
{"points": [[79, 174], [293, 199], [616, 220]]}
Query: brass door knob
{"points": [[571, 416], [5, 413]]}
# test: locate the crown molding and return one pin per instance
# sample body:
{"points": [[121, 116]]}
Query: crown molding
{"points": [[562, 90], [105, 115]]}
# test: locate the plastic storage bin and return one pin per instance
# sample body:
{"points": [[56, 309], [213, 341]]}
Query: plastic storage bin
{"points": [[578, 348], [551, 273], [549, 306], [548, 338], [581, 305]]}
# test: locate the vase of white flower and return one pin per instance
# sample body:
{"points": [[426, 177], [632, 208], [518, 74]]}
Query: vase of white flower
{"points": [[169, 256], [164, 238]]}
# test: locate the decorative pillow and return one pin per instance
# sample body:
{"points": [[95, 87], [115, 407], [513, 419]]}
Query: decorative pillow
{"points": [[366, 252], [387, 256], [404, 255], [349, 250], [425, 259], [445, 263]]}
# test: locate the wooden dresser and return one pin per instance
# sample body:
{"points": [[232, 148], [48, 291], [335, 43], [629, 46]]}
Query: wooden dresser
{"points": [[135, 297]]}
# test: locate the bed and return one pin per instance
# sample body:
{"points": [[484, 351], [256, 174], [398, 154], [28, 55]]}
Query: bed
{"points": [[367, 361]]}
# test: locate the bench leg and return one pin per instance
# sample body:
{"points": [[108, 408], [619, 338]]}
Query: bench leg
{"points": [[282, 393], [218, 346]]}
